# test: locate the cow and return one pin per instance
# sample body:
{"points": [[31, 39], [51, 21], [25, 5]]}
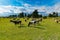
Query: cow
{"points": [[31, 22], [16, 22], [34, 21], [57, 21]]}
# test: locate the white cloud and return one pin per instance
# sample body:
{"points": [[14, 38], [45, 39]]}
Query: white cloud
{"points": [[10, 9], [26, 5], [28, 8]]}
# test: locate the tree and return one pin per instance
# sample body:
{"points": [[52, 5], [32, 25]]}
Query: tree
{"points": [[44, 17], [50, 15], [25, 15], [21, 15], [35, 14], [29, 15], [13, 16], [55, 14], [40, 16]]}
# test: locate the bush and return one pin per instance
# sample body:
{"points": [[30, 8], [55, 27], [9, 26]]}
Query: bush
{"points": [[44, 17]]}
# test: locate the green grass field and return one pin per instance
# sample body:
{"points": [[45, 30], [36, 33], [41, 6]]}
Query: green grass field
{"points": [[46, 30]]}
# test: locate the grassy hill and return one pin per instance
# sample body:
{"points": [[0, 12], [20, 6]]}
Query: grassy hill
{"points": [[46, 30]]}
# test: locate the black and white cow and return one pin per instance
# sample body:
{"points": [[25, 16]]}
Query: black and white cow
{"points": [[31, 22], [34, 22], [16, 21]]}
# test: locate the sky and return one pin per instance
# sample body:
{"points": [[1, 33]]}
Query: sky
{"points": [[9, 7]]}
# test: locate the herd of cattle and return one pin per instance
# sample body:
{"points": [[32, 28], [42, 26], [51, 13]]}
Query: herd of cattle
{"points": [[33, 21]]}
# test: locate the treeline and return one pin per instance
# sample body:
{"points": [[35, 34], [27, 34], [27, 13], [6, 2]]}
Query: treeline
{"points": [[34, 14]]}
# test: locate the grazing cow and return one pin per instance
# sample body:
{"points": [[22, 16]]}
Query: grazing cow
{"points": [[31, 22], [16, 21], [57, 21], [34, 21]]}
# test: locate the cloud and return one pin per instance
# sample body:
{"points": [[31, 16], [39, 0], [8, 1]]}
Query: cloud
{"points": [[27, 8], [9, 9], [26, 5]]}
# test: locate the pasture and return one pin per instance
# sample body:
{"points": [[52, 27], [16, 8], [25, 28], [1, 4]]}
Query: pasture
{"points": [[48, 29]]}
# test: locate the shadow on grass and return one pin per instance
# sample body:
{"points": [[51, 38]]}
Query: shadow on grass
{"points": [[40, 28], [21, 26]]}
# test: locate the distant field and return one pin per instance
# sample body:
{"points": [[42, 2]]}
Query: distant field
{"points": [[46, 30]]}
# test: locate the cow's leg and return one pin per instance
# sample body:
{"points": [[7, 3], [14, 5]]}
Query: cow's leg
{"points": [[20, 22], [29, 24], [57, 21], [35, 23]]}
